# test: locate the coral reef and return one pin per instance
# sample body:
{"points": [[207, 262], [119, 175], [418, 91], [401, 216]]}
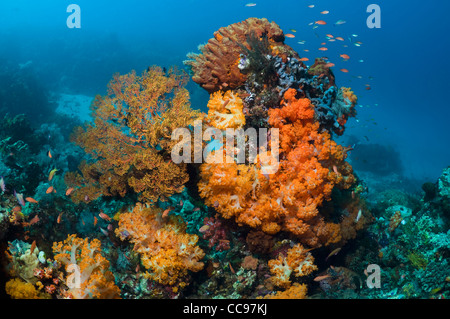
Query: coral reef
{"points": [[95, 278], [167, 252], [287, 200], [130, 138], [112, 216]]}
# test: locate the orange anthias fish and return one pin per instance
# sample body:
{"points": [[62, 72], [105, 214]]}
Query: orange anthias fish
{"points": [[104, 216], [340, 38], [49, 190], [289, 35], [345, 56], [304, 59], [33, 247], [34, 220], [323, 49], [320, 22], [95, 220], [166, 212], [320, 278], [58, 220], [325, 12], [31, 200], [344, 70], [329, 65], [69, 191]]}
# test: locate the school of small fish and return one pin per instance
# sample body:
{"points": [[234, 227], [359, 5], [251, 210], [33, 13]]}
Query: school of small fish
{"points": [[346, 41]]}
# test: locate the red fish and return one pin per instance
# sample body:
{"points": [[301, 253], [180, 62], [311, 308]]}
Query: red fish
{"points": [[166, 212], [34, 220], [31, 200], [104, 216], [320, 278], [33, 247], [58, 220]]}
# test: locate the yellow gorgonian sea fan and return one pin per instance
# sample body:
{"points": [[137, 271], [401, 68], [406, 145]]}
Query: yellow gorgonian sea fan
{"points": [[129, 140]]}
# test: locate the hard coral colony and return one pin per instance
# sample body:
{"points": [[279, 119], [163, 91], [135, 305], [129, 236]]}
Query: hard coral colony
{"points": [[134, 224]]}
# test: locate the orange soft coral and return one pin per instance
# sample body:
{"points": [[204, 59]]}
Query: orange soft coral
{"points": [[298, 261], [96, 280], [311, 165], [130, 141], [167, 251], [216, 68], [225, 111]]}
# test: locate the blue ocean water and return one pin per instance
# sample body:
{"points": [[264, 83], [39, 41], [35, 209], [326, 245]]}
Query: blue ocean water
{"points": [[405, 61], [400, 136]]}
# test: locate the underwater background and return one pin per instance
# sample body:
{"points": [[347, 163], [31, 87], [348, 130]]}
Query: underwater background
{"points": [[390, 195]]}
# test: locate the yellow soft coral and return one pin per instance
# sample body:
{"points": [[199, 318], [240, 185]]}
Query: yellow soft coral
{"points": [[167, 251], [298, 261], [350, 98], [225, 110], [19, 289], [96, 280]]}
